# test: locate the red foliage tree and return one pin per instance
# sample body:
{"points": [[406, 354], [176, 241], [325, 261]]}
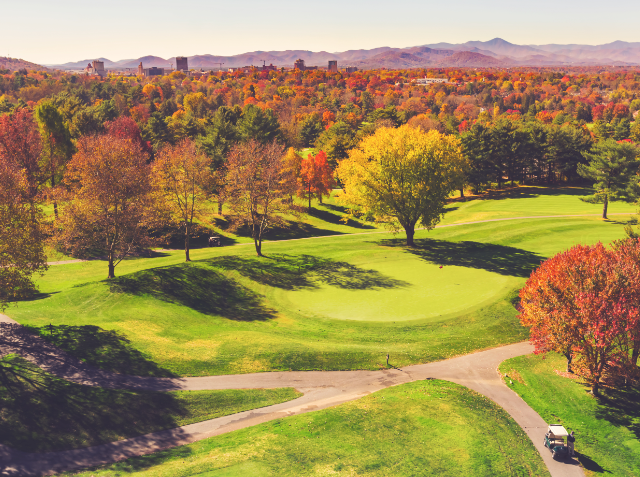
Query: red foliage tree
{"points": [[21, 145], [126, 128], [576, 304], [316, 177]]}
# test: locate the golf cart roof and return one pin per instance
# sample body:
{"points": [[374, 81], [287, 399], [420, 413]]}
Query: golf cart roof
{"points": [[558, 430]]}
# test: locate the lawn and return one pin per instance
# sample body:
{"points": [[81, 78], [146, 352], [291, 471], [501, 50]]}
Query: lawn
{"points": [[422, 428], [607, 429], [42, 413], [324, 303]]}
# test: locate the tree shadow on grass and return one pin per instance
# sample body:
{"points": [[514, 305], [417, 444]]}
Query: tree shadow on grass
{"points": [[332, 218], [621, 407], [200, 288], [296, 272], [109, 350], [590, 464], [44, 413], [486, 256]]}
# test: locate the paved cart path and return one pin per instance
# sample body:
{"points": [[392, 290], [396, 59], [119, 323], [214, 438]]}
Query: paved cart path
{"points": [[322, 389]]}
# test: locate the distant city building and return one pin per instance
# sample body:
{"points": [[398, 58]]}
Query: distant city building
{"points": [[140, 70], [182, 64], [96, 67], [431, 80], [351, 69], [299, 65], [153, 71], [333, 66]]}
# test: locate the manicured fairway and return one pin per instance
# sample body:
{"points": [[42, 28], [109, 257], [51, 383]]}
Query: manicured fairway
{"points": [[42, 413], [528, 201], [607, 429], [312, 304], [422, 428]]}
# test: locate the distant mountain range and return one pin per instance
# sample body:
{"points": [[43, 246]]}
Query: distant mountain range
{"points": [[493, 53], [15, 64]]}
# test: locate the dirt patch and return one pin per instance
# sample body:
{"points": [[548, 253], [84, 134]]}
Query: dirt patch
{"points": [[564, 374]]}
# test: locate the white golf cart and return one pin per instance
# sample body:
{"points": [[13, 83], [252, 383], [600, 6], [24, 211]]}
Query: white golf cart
{"points": [[555, 441]]}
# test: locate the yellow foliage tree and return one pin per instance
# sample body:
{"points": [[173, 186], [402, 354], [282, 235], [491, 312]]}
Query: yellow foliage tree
{"points": [[403, 176], [192, 101]]}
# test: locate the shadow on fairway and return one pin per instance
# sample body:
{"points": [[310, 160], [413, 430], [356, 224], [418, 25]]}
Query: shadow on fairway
{"points": [[333, 218], [295, 272], [109, 350], [43, 413], [200, 288], [486, 256]]}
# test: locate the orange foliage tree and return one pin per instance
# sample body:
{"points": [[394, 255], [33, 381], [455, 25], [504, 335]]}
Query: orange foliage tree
{"points": [[107, 212], [316, 177], [183, 177]]}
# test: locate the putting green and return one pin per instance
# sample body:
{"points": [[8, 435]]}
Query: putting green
{"points": [[423, 291]]}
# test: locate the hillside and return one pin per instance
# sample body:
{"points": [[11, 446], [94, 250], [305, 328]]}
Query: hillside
{"points": [[15, 64]]}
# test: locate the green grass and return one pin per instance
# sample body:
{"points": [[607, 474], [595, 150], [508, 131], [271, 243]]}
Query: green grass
{"points": [[327, 303], [607, 429], [422, 428], [526, 201], [42, 413]]}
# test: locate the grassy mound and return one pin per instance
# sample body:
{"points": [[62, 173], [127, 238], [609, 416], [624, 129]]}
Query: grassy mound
{"points": [[607, 429], [427, 427], [42, 413]]}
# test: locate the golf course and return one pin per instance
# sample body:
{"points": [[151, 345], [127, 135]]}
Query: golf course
{"points": [[329, 295]]}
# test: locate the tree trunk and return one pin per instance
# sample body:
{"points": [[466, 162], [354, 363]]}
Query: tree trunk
{"points": [[55, 204], [410, 230], [112, 268], [636, 351], [258, 244], [462, 192], [220, 203], [186, 242], [569, 357], [309, 196], [605, 206], [595, 387]]}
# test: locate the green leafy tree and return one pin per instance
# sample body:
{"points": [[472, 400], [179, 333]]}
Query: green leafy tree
{"points": [[256, 123], [56, 142], [613, 167], [310, 129]]}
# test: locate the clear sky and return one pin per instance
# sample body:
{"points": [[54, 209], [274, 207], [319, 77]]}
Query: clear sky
{"points": [[57, 31]]}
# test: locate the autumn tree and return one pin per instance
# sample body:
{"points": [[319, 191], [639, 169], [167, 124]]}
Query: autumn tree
{"points": [[575, 304], [259, 186], [183, 176], [21, 241], [107, 211], [126, 128], [402, 176], [20, 144], [316, 177], [613, 167]]}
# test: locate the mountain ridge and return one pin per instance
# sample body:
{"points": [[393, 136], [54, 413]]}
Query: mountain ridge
{"points": [[492, 53]]}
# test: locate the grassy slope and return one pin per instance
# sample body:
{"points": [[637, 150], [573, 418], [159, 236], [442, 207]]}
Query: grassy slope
{"points": [[607, 430], [52, 414], [238, 314], [422, 428]]}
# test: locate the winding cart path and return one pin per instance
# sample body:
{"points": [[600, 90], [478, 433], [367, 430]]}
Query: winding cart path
{"points": [[322, 389]]}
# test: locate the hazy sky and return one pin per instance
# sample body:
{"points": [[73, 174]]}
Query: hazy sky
{"points": [[57, 31]]}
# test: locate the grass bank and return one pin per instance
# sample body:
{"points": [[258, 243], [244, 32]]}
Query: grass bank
{"points": [[607, 429], [422, 428]]}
